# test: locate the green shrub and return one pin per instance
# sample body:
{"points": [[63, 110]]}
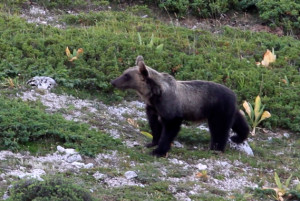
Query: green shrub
{"points": [[51, 189], [11, 6], [21, 123], [215, 8], [178, 6], [281, 13]]}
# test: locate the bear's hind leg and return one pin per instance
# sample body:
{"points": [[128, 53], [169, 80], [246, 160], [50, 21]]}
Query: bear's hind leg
{"points": [[219, 128], [155, 125], [169, 132]]}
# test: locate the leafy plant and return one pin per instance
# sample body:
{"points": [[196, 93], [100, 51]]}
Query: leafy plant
{"points": [[10, 83], [281, 189], [150, 45], [257, 115], [75, 54], [148, 135]]}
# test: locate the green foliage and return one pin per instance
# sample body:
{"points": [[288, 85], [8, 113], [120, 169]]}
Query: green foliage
{"points": [[283, 190], [70, 4], [281, 13], [51, 189], [111, 44], [178, 6], [200, 8], [21, 123], [11, 6], [257, 114], [193, 137]]}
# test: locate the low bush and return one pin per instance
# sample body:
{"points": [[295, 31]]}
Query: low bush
{"points": [[283, 13], [51, 189]]}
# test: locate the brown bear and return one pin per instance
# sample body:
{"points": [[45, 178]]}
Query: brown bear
{"points": [[169, 102]]}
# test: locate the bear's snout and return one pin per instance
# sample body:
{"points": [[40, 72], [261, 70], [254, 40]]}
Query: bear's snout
{"points": [[113, 82]]}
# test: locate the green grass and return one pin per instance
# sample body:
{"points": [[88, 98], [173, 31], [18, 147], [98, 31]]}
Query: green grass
{"points": [[25, 126], [111, 45]]}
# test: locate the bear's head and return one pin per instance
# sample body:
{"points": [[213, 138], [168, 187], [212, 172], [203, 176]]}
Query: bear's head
{"points": [[138, 78]]}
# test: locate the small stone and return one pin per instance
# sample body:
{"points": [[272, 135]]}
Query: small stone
{"points": [[243, 147], [130, 174], [60, 149], [97, 175], [74, 158], [78, 164], [202, 127], [89, 165], [70, 151], [177, 144], [286, 135], [201, 166], [224, 164], [5, 196]]}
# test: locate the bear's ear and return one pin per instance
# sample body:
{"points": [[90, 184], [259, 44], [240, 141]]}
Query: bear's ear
{"points": [[142, 68], [138, 59]]}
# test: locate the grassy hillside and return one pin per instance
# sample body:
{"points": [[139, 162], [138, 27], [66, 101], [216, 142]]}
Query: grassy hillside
{"points": [[112, 40]]}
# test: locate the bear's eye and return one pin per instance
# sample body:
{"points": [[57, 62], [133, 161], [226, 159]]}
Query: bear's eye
{"points": [[127, 76]]}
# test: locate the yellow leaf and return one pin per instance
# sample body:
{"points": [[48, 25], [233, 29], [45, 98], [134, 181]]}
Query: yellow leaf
{"points": [[68, 52], [73, 58], [265, 115], [132, 122], [257, 107], [269, 57], [247, 108], [284, 81], [79, 51], [147, 134]]}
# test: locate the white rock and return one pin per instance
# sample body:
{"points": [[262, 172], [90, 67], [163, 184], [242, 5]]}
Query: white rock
{"points": [[177, 144], [130, 174], [286, 135], [176, 161], [201, 166], [60, 149], [295, 182], [74, 158], [70, 151], [203, 127], [224, 163], [89, 165], [5, 196], [42, 82], [97, 175], [37, 173], [78, 164], [243, 147]]}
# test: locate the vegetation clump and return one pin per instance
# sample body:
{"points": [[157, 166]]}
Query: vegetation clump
{"points": [[21, 124], [51, 189]]}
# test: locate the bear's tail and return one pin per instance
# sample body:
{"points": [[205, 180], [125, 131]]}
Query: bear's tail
{"points": [[240, 127]]}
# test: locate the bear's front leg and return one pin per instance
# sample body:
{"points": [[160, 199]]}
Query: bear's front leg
{"points": [[155, 125], [169, 131]]}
